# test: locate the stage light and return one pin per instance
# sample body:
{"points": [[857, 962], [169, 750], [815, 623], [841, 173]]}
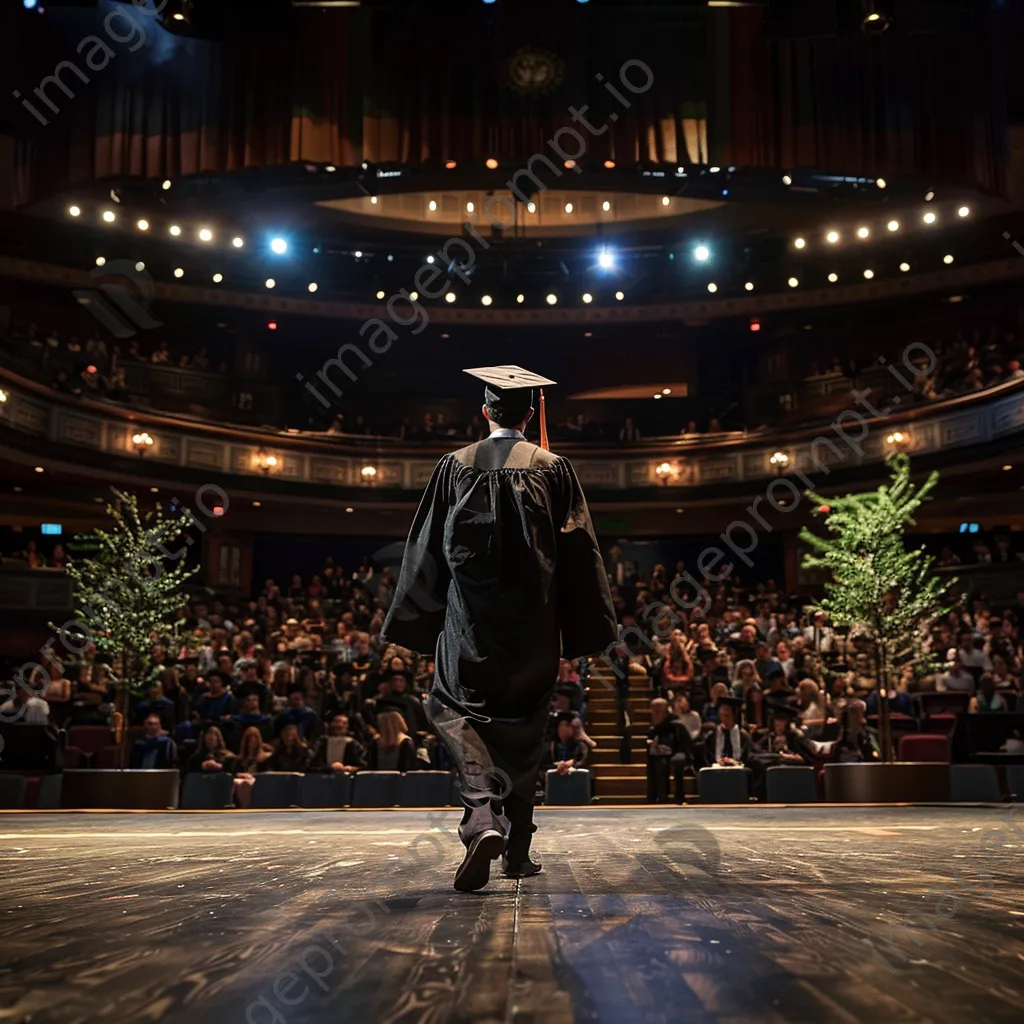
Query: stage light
{"points": [[610, 165], [875, 22], [432, 206], [568, 207], [606, 206], [588, 298], [330, 168], [312, 286], [237, 242], [665, 200], [413, 296], [174, 230], [863, 232], [833, 277], [520, 298], [39, 469], [755, 325], [799, 243], [143, 225], [880, 182], [205, 235], [492, 164], [75, 211], [450, 165], [531, 207], [279, 246], [963, 211], [430, 259], [108, 216], [373, 200], [701, 253], [380, 294], [929, 196], [1007, 468], [486, 300], [100, 260], [271, 325], [166, 184], [904, 267], [749, 286], [712, 287], [793, 282], [929, 218], [217, 278], [350, 509], [140, 267], [832, 237], [256, 504], [552, 299], [787, 180], [868, 274], [270, 282], [569, 165], [470, 207], [450, 297], [178, 272], [947, 259], [893, 225], [605, 259], [619, 296], [29, 5]]}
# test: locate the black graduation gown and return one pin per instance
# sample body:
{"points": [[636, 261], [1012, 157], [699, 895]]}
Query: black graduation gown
{"points": [[503, 574]]}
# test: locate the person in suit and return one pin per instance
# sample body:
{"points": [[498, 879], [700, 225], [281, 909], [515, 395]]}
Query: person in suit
{"points": [[669, 752], [155, 749], [727, 745]]}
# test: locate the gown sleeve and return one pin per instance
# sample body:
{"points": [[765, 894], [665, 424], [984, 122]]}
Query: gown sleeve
{"points": [[416, 617], [586, 610]]}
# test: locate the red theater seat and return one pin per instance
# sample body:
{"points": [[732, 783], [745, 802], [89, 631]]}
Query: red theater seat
{"points": [[90, 739], [924, 747]]}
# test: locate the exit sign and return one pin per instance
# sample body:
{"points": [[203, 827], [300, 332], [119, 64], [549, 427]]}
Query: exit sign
{"points": [[52, 529]]}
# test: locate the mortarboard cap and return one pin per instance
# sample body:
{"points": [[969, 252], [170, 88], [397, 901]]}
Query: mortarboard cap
{"points": [[786, 710], [508, 394], [733, 702]]}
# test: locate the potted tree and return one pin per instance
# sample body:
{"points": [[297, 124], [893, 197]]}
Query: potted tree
{"points": [[889, 594], [127, 582]]}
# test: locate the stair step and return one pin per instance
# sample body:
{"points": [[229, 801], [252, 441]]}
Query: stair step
{"points": [[619, 771]]}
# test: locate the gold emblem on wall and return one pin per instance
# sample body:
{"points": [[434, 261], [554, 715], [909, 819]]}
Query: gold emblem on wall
{"points": [[533, 72]]}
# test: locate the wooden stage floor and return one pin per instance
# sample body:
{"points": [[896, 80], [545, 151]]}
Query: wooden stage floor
{"points": [[721, 915]]}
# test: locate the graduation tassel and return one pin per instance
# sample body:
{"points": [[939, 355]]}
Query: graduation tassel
{"points": [[543, 425]]}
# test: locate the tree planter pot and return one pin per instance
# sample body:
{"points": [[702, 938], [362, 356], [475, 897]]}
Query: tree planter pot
{"points": [[897, 783], [134, 789]]}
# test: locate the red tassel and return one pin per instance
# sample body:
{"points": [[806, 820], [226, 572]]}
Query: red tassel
{"points": [[543, 424]]}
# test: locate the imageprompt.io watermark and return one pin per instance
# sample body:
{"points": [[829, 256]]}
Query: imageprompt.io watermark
{"points": [[121, 299]]}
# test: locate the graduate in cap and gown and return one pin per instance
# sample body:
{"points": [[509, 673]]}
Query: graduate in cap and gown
{"points": [[502, 575], [728, 745], [783, 744]]}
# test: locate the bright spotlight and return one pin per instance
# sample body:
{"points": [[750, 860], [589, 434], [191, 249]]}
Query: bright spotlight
{"points": [[588, 298], [217, 278], [470, 207], [552, 299], [143, 225], [665, 200], [205, 235], [929, 218], [531, 207], [904, 267], [568, 207], [893, 225], [712, 287], [833, 277], [413, 296], [100, 260], [140, 267], [166, 185], [863, 232], [75, 211], [793, 282], [749, 286], [609, 165], [880, 182], [174, 230], [380, 294], [178, 272], [430, 259], [787, 180], [492, 164], [237, 242], [701, 253], [108, 216], [279, 245], [832, 237], [963, 211], [486, 300], [312, 286], [606, 206], [270, 282], [605, 259], [799, 243], [450, 297], [947, 259], [520, 298], [868, 274], [432, 206], [619, 296]]}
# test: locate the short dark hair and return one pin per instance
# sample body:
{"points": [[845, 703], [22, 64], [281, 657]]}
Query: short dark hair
{"points": [[510, 408]]}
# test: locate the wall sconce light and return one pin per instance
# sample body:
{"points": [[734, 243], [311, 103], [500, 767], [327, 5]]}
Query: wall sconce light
{"points": [[265, 462], [368, 473], [142, 442], [3, 396], [780, 460], [897, 441], [663, 472]]}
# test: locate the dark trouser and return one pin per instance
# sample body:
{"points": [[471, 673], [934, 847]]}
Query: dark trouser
{"points": [[660, 769], [490, 797]]}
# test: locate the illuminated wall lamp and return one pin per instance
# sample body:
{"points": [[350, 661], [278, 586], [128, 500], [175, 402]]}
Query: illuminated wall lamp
{"points": [[780, 460], [142, 442], [265, 462]]}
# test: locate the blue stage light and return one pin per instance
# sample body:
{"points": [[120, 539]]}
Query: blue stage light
{"points": [[701, 253], [279, 246], [29, 4], [606, 259]]}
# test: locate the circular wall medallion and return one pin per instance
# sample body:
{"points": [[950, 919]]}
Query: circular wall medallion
{"points": [[533, 72]]}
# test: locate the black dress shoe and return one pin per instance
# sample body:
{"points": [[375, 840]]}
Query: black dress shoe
{"points": [[475, 870], [524, 869]]}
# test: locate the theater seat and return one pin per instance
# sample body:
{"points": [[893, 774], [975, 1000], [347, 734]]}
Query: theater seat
{"points": [[974, 784], [106, 757], [48, 796], [377, 789], [426, 789], [924, 747], [90, 739], [207, 791], [276, 789], [13, 789], [325, 789], [1015, 782], [723, 786], [791, 784], [572, 790]]}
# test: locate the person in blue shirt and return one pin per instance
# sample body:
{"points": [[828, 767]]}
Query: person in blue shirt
{"points": [[299, 715], [155, 703], [250, 715], [155, 749], [216, 705]]}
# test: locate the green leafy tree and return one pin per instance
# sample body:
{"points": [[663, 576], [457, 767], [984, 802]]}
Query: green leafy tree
{"points": [[878, 587], [128, 582]]}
